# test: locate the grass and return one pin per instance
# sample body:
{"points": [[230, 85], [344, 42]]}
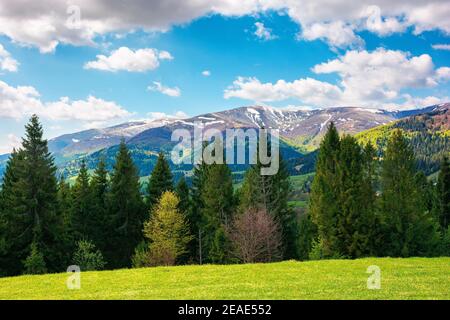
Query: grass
{"points": [[412, 278]]}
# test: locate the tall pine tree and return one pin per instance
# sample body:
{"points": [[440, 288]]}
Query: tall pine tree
{"points": [[127, 211], [30, 203], [409, 227], [324, 198], [100, 187], [443, 194], [160, 181]]}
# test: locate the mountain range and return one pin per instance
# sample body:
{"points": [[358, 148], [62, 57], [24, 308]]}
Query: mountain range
{"points": [[300, 130]]}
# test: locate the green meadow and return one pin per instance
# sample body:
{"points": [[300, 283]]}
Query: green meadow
{"points": [[411, 278]]}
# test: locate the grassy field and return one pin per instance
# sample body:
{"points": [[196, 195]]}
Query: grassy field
{"points": [[413, 278]]}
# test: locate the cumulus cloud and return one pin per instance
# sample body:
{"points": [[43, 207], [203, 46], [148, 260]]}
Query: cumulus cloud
{"points": [[366, 78], [441, 46], [6, 61], [125, 59], [12, 142], [206, 73], [23, 101], [263, 33], [49, 22], [159, 87], [161, 115], [337, 34]]}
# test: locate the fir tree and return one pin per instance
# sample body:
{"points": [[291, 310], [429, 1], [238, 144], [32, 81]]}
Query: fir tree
{"points": [[100, 187], [126, 211], [82, 224], [160, 181], [31, 202], [324, 199], [182, 191], [409, 227], [218, 205], [443, 194]]}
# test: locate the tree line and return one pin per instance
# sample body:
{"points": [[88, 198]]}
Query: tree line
{"points": [[362, 205], [104, 221], [359, 206]]}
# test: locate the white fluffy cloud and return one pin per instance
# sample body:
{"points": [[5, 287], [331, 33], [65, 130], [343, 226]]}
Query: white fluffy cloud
{"points": [[263, 33], [50, 22], [159, 87], [162, 115], [23, 101], [337, 34], [125, 59], [441, 46], [206, 73], [6, 61], [366, 78], [12, 142]]}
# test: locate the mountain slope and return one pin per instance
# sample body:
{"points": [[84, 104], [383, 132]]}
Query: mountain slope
{"points": [[428, 134]]}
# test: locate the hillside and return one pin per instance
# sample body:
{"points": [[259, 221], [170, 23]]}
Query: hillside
{"points": [[412, 278], [428, 133]]}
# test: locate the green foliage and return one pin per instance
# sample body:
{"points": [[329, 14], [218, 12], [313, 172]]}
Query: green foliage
{"points": [[217, 207], [30, 207], [82, 211], [409, 227], [140, 257], [160, 181], [99, 215], [34, 263], [307, 233], [167, 232], [88, 257], [126, 211], [443, 194]]}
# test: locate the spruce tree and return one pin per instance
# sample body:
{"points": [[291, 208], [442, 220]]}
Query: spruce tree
{"points": [[10, 225], [409, 227], [354, 220], [82, 224], [126, 211], [194, 214], [100, 187], [32, 202], [218, 205], [182, 192], [324, 207], [443, 194], [160, 181]]}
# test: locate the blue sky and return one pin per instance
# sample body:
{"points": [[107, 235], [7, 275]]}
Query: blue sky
{"points": [[274, 56]]}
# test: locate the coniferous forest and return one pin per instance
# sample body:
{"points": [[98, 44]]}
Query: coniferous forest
{"points": [[360, 205]]}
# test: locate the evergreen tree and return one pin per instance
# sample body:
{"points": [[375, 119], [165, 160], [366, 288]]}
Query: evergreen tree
{"points": [[354, 220], [182, 192], [160, 181], [307, 232], [82, 212], [100, 187], [218, 205], [126, 211], [31, 203], [443, 194], [194, 214], [324, 199], [10, 225], [409, 227]]}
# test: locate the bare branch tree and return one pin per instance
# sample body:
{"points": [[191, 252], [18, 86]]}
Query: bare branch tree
{"points": [[256, 237]]}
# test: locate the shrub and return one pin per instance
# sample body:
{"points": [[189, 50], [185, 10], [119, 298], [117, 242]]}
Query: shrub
{"points": [[34, 263], [88, 257]]}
